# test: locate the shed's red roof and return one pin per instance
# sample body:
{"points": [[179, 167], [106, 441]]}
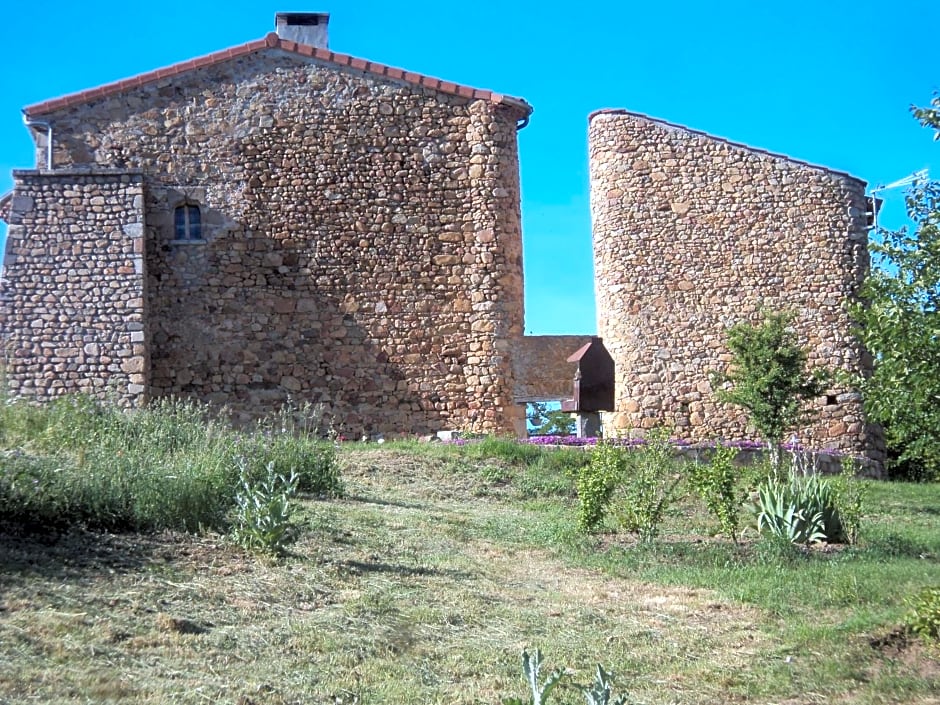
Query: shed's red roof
{"points": [[272, 41]]}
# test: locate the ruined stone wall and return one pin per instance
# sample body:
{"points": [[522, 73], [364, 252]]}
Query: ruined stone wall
{"points": [[74, 305], [693, 234], [361, 241]]}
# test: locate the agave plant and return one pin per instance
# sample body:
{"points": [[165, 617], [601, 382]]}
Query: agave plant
{"points": [[531, 666], [599, 692], [799, 510]]}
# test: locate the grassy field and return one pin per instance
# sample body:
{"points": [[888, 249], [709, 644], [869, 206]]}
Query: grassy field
{"points": [[437, 567]]}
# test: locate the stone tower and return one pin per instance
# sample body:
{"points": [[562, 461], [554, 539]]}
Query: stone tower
{"points": [[693, 234]]}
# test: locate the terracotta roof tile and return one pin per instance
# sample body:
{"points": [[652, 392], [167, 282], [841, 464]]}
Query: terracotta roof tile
{"points": [[740, 145], [272, 41]]}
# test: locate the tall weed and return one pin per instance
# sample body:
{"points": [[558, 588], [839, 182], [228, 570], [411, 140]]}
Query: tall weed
{"points": [[850, 496], [262, 510], [78, 460], [599, 692]]}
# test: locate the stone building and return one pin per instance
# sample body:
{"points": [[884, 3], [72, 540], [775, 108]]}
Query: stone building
{"points": [[274, 220], [693, 234], [278, 221]]}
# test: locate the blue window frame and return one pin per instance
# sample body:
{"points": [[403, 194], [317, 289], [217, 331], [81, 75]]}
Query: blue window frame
{"points": [[188, 222]]}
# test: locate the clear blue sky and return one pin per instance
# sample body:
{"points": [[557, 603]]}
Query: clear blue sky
{"points": [[826, 81]]}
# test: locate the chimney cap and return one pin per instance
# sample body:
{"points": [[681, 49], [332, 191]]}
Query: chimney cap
{"points": [[310, 28], [301, 19]]}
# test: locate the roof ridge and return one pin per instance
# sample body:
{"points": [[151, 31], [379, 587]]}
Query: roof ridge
{"points": [[742, 145], [273, 41]]}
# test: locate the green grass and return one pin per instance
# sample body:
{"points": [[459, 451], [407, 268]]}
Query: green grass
{"points": [[424, 582]]}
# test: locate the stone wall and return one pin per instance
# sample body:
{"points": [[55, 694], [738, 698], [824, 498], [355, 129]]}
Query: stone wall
{"points": [[693, 234], [361, 241], [74, 303]]}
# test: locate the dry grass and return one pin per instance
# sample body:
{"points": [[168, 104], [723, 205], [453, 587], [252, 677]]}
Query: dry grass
{"points": [[393, 595]]}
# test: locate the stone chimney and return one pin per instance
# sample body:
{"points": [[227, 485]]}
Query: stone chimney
{"points": [[303, 27]]}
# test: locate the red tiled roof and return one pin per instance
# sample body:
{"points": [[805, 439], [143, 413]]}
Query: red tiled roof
{"points": [[741, 145], [272, 41]]}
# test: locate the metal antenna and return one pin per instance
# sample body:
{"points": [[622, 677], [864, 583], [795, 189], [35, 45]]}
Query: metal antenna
{"points": [[920, 175]]}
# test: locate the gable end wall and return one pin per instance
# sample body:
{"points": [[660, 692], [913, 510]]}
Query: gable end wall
{"points": [[362, 241]]}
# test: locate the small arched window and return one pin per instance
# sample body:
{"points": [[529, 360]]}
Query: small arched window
{"points": [[187, 222]]}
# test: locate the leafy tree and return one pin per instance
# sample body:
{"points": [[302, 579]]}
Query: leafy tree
{"points": [[768, 378], [549, 422], [900, 326]]}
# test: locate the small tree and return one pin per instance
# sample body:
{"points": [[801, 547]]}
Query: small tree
{"points": [[768, 378], [900, 326]]}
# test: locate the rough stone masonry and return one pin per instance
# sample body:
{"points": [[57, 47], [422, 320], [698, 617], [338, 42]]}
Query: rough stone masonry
{"points": [[279, 222]]}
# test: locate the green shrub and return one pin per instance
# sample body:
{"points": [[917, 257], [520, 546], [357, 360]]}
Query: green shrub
{"points": [[649, 486], [637, 484], [769, 378], [924, 616], [716, 482], [596, 483]]}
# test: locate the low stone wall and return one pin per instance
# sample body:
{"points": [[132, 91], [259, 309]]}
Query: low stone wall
{"points": [[812, 462], [73, 305]]}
